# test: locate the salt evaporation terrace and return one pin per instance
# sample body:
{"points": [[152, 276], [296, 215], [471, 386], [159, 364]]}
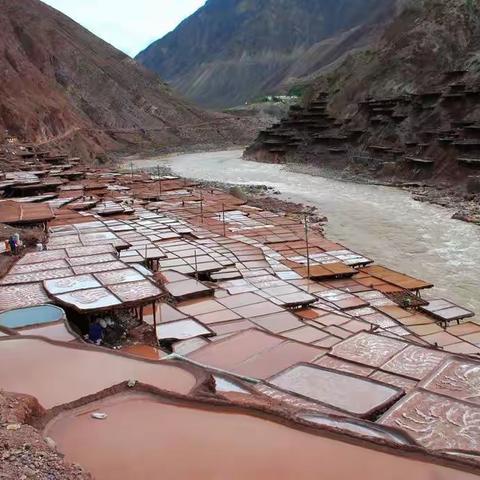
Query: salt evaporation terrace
{"points": [[264, 337]]}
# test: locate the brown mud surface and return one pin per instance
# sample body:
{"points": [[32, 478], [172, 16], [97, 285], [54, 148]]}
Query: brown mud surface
{"points": [[141, 437]]}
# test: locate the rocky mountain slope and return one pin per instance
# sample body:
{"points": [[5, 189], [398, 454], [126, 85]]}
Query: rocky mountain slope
{"points": [[406, 110], [231, 51], [61, 85]]}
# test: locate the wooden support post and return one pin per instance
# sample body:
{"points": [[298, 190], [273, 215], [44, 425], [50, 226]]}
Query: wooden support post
{"points": [[196, 266], [201, 205], [159, 180], [308, 246], [155, 320], [223, 221]]}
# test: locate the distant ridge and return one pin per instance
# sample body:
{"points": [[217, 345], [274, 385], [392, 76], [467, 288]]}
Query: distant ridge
{"points": [[231, 51]]}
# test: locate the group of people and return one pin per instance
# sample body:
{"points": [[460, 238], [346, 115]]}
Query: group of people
{"points": [[13, 244]]}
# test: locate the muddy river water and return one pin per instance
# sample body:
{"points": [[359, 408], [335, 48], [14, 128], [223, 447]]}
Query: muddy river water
{"points": [[383, 223]]}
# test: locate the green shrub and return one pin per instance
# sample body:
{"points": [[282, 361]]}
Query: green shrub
{"points": [[296, 91]]}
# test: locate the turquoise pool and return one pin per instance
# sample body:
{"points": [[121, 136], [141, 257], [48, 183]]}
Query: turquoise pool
{"points": [[24, 317]]}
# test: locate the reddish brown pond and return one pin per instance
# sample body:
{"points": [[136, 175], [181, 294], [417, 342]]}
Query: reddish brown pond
{"points": [[144, 351], [145, 439], [57, 374]]}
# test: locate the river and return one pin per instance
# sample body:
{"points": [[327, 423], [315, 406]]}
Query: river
{"points": [[383, 223]]}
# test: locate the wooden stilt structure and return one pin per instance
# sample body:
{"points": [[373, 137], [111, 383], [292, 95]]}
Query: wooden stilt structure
{"points": [[307, 245]]}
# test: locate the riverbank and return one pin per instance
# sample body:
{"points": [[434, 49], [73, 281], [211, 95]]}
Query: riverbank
{"points": [[149, 159], [463, 206]]}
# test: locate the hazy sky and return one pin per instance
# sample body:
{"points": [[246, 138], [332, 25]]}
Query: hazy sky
{"points": [[128, 25]]}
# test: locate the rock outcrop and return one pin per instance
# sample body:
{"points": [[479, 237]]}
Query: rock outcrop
{"points": [[24, 453]]}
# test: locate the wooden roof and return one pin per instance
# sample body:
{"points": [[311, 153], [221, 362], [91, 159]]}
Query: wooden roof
{"points": [[19, 213]]}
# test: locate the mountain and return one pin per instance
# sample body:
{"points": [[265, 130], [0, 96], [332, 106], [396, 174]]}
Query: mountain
{"points": [[61, 85], [406, 109], [231, 51]]}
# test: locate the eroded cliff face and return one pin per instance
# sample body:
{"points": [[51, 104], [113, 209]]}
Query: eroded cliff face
{"points": [[60, 84], [407, 109], [231, 51]]}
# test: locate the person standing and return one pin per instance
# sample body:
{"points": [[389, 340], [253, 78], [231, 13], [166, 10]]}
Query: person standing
{"points": [[13, 246], [95, 333]]}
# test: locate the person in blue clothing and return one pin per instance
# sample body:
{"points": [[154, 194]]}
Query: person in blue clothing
{"points": [[95, 333]]}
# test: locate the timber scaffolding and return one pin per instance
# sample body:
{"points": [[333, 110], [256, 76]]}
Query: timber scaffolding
{"points": [[287, 136], [244, 307], [379, 127]]}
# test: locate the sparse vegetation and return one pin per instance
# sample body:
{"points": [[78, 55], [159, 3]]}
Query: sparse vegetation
{"points": [[471, 5], [297, 91], [275, 99]]}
